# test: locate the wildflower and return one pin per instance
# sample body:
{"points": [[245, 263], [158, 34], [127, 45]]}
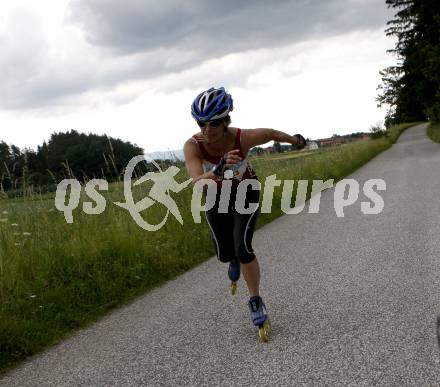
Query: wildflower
{"points": [[14, 224], [4, 212], [32, 296], [26, 233], [17, 244]]}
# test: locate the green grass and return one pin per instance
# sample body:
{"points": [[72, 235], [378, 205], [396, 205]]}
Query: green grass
{"points": [[433, 132], [55, 277], [289, 155]]}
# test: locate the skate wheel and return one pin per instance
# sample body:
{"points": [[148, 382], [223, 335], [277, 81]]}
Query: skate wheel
{"points": [[264, 337], [233, 288], [264, 330], [267, 325]]}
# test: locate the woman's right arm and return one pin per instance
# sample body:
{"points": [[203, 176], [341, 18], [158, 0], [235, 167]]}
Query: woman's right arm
{"points": [[194, 164]]}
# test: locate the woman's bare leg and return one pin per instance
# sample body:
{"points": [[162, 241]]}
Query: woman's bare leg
{"points": [[251, 274]]}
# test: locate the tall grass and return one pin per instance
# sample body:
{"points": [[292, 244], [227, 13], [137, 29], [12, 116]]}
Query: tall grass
{"points": [[433, 132], [55, 276]]}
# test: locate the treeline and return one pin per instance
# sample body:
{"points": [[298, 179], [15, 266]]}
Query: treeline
{"points": [[412, 87], [65, 155], [352, 135]]}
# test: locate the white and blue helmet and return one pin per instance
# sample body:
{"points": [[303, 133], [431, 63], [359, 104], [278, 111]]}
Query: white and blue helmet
{"points": [[211, 105]]}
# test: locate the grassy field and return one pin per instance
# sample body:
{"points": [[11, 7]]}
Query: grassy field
{"points": [[434, 132], [55, 277]]}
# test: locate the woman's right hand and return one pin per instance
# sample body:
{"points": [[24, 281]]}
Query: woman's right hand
{"points": [[232, 157]]}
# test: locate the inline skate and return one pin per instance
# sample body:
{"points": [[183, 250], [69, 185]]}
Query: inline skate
{"points": [[234, 274], [259, 317]]}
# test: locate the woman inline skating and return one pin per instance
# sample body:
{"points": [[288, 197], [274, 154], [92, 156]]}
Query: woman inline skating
{"points": [[218, 152]]}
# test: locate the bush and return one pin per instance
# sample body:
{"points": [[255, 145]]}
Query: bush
{"points": [[433, 112], [376, 131]]}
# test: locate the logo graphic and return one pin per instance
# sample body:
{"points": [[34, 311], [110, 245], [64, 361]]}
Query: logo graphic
{"points": [[163, 183], [345, 194]]}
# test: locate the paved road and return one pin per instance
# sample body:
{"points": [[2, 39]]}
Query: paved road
{"points": [[353, 301]]}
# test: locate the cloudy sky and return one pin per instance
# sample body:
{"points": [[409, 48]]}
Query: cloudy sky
{"points": [[131, 68]]}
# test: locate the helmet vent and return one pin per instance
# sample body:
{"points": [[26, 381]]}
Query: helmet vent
{"points": [[210, 97]]}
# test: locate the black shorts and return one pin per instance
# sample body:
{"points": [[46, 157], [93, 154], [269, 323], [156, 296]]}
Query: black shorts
{"points": [[232, 232]]}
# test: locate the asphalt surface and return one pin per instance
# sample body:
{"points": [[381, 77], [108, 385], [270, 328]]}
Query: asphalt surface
{"points": [[353, 301]]}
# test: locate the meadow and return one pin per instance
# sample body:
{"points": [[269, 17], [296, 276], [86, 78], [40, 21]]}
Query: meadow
{"points": [[433, 132], [56, 277]]}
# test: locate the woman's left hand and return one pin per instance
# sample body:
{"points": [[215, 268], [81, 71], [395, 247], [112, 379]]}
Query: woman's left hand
{"points": [[301, 141]]}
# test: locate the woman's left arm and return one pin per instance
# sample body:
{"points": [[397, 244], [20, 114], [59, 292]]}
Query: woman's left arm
{"points": [[254, 137]]}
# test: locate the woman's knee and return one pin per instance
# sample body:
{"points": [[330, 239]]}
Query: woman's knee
{"points": [[244, 255]]}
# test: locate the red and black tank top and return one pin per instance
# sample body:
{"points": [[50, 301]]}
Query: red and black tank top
{"points": [[241, 171]]}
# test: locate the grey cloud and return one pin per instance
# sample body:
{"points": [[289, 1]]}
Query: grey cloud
{"points": [[144, 39], [214, 28], [36, 81]]}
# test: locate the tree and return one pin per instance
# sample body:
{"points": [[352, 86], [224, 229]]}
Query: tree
{"points": [[5, 159], [83, 156], [87, 155], [277, 146], [411, 88]]}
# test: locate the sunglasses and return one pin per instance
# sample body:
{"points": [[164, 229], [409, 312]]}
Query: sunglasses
{"points": [[213, 124]]}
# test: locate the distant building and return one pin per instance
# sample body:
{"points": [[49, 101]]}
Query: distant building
{"points": [[339, 140], [312, 145], [325, 142], [269, 149]]}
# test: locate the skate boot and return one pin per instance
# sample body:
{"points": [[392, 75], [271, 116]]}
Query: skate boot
{"points": [[234, 274], [259, 317]]}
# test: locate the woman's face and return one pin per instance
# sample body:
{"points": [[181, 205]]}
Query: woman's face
{"points": [[213, 130]]}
